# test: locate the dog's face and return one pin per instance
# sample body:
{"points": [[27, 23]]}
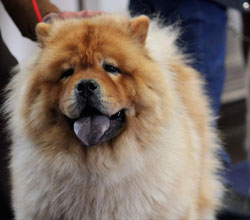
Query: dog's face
{"points": [[93, 77]]}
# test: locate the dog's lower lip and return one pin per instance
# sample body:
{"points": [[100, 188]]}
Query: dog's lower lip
{"points": [[118, 114], [90, 111]]}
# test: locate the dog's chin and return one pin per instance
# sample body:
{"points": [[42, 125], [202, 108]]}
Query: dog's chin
{"points": [[93, 127]]}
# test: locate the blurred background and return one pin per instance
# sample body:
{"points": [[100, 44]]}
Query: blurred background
{"points": [[233, 116]]}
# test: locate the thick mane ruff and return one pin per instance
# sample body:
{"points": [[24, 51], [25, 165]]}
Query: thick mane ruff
{"points": [[162, 165]]}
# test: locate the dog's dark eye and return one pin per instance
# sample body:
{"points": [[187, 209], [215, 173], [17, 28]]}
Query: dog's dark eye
{"points": [[68, 72], [110, 68]]}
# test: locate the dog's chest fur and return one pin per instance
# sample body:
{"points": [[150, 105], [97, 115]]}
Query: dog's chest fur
{"points": [[64, 188]]}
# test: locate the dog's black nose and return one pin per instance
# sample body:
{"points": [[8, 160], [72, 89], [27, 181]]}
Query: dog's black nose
{"points": [[86, 87]]}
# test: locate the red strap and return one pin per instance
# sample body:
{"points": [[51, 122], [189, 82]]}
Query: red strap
{"points": [[38, 14]]}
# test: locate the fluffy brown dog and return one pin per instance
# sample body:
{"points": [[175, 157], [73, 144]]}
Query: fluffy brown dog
{"points": [[109, 122]]}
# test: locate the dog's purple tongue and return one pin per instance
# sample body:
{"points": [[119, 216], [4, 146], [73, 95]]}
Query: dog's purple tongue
{"points": [[90, 129]]}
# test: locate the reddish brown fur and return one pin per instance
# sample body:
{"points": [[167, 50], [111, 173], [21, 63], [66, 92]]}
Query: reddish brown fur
{"points": [[85, 56], [167, 175]]}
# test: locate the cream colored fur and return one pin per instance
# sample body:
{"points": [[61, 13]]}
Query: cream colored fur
{"points": [[176, 179]]}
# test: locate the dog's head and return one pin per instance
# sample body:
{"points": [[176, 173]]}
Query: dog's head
{"points": [[93, 79]]}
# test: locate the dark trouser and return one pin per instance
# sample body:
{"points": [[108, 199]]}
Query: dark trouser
{"points": [[7, 61]]}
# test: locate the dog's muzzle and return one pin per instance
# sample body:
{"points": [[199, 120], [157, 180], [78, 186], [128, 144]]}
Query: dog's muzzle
{"points": [[94, 125]]}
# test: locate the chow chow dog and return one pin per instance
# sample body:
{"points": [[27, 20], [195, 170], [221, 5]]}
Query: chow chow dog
{"points": [[109, 121]]}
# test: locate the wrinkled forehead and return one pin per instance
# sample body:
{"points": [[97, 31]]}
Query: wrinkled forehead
{"points": [[116, 38], [91, 31], [88, 40]]}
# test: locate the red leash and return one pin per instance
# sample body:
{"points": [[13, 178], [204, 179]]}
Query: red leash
{"points": [[37, 11]]}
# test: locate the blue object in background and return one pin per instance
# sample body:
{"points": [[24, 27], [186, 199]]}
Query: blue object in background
{"points": [[239, 177]]}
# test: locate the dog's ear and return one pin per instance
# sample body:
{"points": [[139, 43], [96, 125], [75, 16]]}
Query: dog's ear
{"points": [[42, 32], [139, 27]]}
